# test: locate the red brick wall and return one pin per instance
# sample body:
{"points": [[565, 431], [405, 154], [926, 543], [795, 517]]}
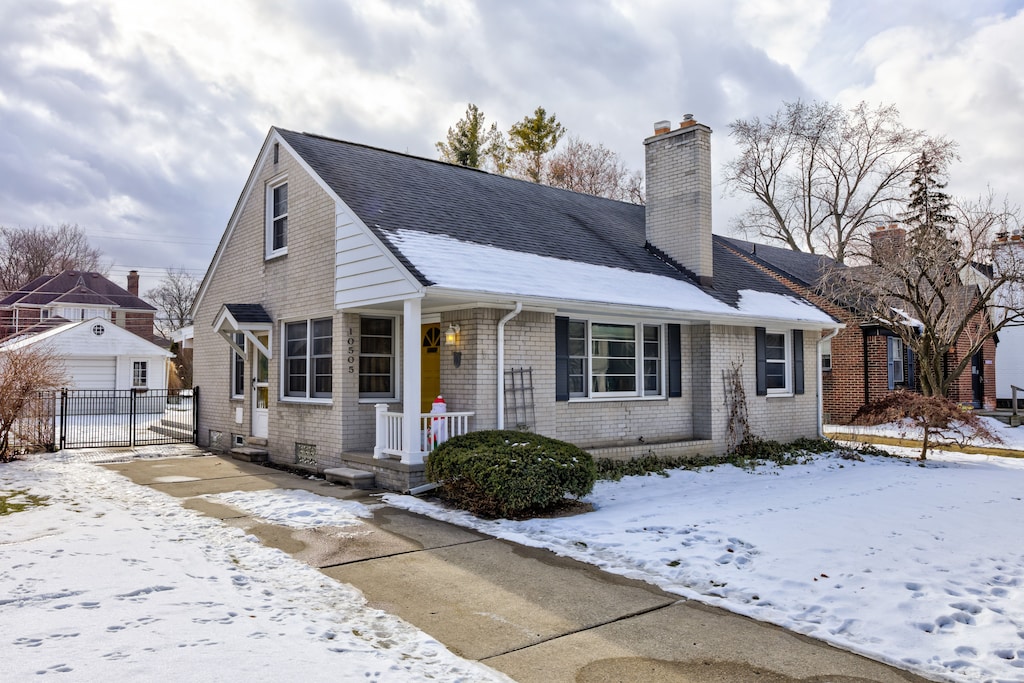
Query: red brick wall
{"points": [[843, 386], [962, 390], [139, 323]]}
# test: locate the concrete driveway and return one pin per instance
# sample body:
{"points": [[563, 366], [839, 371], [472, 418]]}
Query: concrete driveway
{"points": [[523, 611]]}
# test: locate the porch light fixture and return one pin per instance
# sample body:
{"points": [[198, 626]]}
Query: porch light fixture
{"points": [[451, 335]]}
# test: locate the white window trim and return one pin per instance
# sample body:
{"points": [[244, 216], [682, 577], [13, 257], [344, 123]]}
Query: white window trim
{"points": [[234, 355], [638, 394], [270, 252], [397, 335], [826, 353], [893, 360], [787, 337], [283, 365], [145, 365]]}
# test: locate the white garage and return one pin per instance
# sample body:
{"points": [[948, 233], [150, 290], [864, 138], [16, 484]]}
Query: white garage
{"points": [[92, 373], [100, 355]]}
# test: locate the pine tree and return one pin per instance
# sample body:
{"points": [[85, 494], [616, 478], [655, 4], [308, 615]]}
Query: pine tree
{"points": [[466, 141], [929, 206], [533, 137]]}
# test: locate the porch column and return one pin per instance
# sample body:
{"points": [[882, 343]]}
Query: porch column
{"points": [[411, 325]]}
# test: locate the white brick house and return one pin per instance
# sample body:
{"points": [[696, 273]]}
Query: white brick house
{"points": [[353, 285]]}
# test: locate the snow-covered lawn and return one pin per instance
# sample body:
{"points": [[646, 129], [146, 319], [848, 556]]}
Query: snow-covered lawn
{"points": [[919, 566], [113, 581]]}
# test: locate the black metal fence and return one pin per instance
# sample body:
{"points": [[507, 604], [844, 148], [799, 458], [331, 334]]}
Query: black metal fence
{"points": [[94, 418]]}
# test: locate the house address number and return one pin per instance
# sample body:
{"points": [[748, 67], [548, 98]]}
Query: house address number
{"points": [[351, 360]]}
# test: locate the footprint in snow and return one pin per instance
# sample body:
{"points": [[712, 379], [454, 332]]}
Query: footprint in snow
{"points": [[56, 668]]}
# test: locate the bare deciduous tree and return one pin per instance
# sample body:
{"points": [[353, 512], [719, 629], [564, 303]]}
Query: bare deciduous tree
{"points": [[173, 298], [593, 169], [939, 289], [820, 175], [28, 253], [25, 371]]}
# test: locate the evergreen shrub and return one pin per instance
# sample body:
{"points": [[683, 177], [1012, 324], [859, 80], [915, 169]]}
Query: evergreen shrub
{"points": [[505, 473]]}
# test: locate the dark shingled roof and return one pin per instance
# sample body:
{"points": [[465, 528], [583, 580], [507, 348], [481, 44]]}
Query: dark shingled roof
{"points": [[393, 191], [76, 288], [249, 313], [800, 266]]}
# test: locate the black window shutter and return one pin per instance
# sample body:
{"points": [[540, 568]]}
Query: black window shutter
{"points": [[675, 363], [798, 361], [561, 359], [759, 357], [910, 374]]}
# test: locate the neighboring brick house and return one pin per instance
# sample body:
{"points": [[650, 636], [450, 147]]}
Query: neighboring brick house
{"points": [[353, 285], [73, 296], [865, 361]]}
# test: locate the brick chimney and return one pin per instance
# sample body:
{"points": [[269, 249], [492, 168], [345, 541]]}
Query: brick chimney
{"points": [[678, 209], [133, 282], [887, 242]]}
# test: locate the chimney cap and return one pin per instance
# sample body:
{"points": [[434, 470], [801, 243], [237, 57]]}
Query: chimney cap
{"points": [[662, 127]]}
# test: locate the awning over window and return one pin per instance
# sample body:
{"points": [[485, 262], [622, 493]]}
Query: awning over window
{"points": [[245, 319]]}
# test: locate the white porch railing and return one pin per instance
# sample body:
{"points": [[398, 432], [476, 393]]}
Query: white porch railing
{"points": [[435, 429]]}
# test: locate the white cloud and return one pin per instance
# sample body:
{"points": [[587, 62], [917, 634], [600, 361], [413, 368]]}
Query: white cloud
{"points": [[787, 30], [964, 84]]}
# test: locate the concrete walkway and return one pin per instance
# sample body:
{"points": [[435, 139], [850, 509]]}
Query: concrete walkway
{"points": [[526, 612]]}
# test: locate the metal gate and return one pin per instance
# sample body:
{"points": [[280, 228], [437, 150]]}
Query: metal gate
{"points": [[101, 418]]}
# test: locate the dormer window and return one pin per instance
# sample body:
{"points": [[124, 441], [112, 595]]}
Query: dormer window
{"points": [[277, 219]]}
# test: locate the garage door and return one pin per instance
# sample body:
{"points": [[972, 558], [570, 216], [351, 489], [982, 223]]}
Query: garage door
{"points": [[92, 373]]}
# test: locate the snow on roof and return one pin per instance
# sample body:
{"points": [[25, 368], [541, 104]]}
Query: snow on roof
{"points": [[454, 264], [130, 342], [23, 340], [903, 318]]}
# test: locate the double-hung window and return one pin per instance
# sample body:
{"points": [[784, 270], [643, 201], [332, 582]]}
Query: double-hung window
{"points": [[779, 356], [826, 355], [612, 359], [777, 362], [140, 372], [376, 357], [308, 358], [277, 219], [894, 354]]}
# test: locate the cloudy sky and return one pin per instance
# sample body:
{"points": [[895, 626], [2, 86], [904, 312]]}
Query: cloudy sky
{"points": [[140, 121]]}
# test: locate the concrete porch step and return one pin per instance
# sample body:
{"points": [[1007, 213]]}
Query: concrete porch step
{"points": [[357, 479], [174, 432], [250, 454]]}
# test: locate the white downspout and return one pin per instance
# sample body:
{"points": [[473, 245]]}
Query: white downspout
{"points": [[501, 362], [821, 396]]}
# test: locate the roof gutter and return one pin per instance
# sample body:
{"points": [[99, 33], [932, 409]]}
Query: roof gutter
{"points": [[501, 362], [636, 311], [821, 396]]}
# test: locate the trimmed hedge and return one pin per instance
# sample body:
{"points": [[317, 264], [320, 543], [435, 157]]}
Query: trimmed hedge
{"points": [[505, 473]]}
